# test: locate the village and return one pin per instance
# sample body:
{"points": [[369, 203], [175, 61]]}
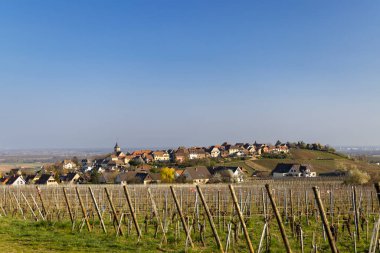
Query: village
{"points": [[182, 165]]}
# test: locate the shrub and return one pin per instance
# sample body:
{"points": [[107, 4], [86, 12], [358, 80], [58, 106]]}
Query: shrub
{"points": [[356, 176]]}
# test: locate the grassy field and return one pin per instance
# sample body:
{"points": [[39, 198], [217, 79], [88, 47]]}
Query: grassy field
{"points": [[321, 161], [27, 236], [5, 167]]}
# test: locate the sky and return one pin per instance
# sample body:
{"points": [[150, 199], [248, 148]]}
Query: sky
{"points": [[164, 73]]}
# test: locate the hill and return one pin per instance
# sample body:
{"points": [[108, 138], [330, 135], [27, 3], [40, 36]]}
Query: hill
{"points": [[320, 160]]}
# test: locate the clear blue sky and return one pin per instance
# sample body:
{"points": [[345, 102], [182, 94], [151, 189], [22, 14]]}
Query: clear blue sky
{"points": [[167, 73]]}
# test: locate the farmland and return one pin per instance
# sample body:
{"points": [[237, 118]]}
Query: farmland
{"points": [[102, 218], [321, 162]]}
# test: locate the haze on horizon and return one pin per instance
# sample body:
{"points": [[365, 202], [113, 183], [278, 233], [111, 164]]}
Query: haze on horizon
{"points": [[85, 74]]}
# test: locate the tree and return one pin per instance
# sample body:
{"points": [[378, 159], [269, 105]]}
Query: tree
{"points": [[167, 174], [278, 143], [95, 177], [216, 178], [356, 176], [75, 160], [301, 145]]}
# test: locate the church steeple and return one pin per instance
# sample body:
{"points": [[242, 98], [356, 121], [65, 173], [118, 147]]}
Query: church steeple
{"points": [[116, 148]]}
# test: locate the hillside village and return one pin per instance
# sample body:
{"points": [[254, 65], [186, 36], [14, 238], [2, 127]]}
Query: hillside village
{"points": [[181, 165]]}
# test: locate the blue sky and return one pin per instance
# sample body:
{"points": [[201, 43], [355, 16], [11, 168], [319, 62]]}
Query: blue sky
{"points": [[172, 72]]}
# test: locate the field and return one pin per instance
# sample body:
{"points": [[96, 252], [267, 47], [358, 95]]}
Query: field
{"points": [[321, 162], [35, 220], [6, 167]]}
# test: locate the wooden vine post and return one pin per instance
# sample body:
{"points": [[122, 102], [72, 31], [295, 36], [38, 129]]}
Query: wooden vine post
{"points": [[132, 211], [213, 228], [97, 210], [42, 202], [377, 187], [279, 220], [356, 212], [30, 207], [83, 210], [330, 237], [68, 205], [114, 213], [237, 207], [157, 215], [181, 216]]}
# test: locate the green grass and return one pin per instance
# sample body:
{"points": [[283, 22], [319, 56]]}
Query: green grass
{"points": [[321, 162], [304, 154], [27, 236], [18, 235]]}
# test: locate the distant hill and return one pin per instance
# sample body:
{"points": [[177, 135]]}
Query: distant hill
{"points": [[320, 160]]}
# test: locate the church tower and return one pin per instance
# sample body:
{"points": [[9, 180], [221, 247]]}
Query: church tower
{"points": [[116, 148]]}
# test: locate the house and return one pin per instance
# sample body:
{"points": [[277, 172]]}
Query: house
{"points": [[250, 148], [261, 148], [68, 165], [15, 180], [224, 152], [181, 155], [86, 165], [107, 177], [116, 165], [136, 177], [229, 174], [46, 179], [125, 177], [161, 156], [71, 178], [232, 150], [215, 152], [138, 160], [155, 178], [241, 153], [113, 157], [283, 148], [148, 158], [197, 153], [197, 175], [99, 165], [279, 149], [293, 170], [178, 173], [141, 152]]}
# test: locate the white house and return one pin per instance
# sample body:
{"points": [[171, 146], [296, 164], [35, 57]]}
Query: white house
{"points": [[215, 152], [233, 150], [229, 174], [161, 156], [68, 164], [293, 170], [16, 180]]}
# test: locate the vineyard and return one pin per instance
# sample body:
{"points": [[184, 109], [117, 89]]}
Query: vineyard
{"points": [[282, 216]]}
